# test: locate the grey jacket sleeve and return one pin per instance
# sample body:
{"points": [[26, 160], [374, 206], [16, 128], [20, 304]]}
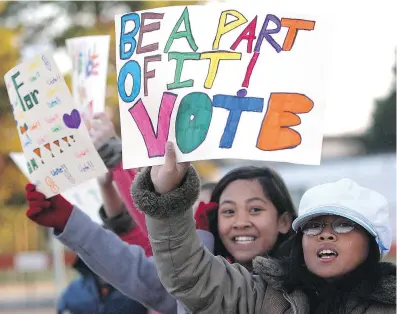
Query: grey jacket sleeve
{"points": [[111, 152], [124, 266], [202, 282], [122, 223], [208, 240]]}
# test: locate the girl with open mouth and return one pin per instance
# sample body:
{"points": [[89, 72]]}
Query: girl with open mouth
{"points": [[342, 231]]}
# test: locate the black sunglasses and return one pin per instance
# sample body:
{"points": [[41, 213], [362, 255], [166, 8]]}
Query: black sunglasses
{"points": [[340, 226]]}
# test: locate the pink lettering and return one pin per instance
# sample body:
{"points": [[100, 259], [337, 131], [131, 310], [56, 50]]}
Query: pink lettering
{"points": [[52, 119], [42, 140], [36, 125], [82, 154], [155, 141]]}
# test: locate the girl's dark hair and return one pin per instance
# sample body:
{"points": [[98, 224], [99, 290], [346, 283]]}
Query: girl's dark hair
{"points": [[273, 187], [330, 296], [208, 186]]}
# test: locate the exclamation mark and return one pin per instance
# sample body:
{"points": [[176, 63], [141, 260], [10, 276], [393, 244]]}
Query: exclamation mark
{"points": [[48, 146], [243, 92], [38, 153], [65, 139], [263, 34], [57, 144]]}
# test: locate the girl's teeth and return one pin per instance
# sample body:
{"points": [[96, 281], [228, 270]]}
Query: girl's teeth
{"points": [[327, 254], [244, 240], [326, 257]]}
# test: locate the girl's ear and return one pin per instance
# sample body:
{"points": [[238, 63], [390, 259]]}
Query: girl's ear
{"points": [[284, 223]]}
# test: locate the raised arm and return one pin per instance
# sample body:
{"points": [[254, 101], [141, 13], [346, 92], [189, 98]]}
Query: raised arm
{"points": [[202, 282], [112, 202], [124, 266], [115, 217], [108, 145], [124, 226]]}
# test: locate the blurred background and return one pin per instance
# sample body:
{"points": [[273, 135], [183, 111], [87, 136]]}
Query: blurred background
{"points": [[359, 142]]}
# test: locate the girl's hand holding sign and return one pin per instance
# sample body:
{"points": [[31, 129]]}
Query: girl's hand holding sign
{"points": [[168, 177]]}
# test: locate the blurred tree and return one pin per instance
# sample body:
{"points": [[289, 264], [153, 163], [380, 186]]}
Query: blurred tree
{"points": [[381, 136], [53, 18], [12, 180], [13, 235], [46, 22], [18, 233], [9, 56]]}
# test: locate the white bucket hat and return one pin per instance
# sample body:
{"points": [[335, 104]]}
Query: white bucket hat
{"points": [[346, 198]]}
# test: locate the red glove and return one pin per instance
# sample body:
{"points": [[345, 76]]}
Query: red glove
{"points": [[201, 215], [53, 212]]}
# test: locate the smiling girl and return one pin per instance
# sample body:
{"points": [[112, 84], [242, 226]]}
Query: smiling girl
{"points": [[253, 216]]}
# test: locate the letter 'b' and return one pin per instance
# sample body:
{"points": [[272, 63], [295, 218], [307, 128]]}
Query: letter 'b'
{"points": [[128, 38]]}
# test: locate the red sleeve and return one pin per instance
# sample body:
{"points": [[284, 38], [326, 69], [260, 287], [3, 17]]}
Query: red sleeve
{"points": [[135, 236], [123, 179]]}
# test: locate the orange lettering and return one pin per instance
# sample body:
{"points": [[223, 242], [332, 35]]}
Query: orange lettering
{"points": [[293, 26], [275, 133]]}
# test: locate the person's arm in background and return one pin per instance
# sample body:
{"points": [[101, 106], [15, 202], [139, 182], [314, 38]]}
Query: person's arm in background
{"points": [[126, 267], [112, 202], [116, 218], [108, 145]]}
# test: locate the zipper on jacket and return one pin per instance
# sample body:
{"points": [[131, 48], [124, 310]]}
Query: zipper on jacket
{"points": [[292, 302]]}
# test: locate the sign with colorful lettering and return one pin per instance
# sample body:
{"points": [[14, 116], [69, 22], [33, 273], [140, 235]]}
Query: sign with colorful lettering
{"points": [[236, 81], [89, 73], [56, 145], [86, 196]]}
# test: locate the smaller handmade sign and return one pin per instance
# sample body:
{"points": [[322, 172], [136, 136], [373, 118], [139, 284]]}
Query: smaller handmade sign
{"points": [[89, 56], [55, 142]]}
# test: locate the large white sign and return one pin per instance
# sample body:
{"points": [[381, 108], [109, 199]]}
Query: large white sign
{"points": [[222, 81]]}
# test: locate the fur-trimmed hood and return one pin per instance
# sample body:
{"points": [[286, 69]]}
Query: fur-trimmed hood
{"points": [[384, 291]]}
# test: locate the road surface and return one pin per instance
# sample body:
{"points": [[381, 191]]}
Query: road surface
{"points": [[29, 311]]}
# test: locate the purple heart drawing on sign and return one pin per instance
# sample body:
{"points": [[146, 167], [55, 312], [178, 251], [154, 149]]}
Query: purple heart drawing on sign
{"points": [[73, 120]]}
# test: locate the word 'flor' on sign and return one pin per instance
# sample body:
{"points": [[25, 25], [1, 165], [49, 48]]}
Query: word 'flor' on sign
{"points": [[224, 82]]}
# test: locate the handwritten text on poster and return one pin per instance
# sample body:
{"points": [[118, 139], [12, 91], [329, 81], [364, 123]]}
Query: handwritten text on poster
{"points": [[56, 145], [194, 71]]}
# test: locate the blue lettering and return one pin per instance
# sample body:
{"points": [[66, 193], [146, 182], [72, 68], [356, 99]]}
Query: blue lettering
{"points": [[56, 172], [27, 141], [130, 68], [266, 33], [53, 80], [236, 105], [54, 102], [128, 38]]}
